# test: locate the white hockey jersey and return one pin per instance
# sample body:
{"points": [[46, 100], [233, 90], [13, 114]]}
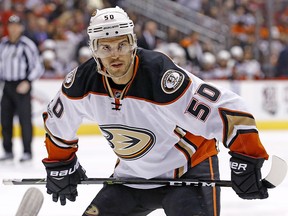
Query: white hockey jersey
{"points": [[162, 122]]}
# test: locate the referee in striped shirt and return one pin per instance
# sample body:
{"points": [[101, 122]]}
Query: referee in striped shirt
{"points": [[20, 64]]}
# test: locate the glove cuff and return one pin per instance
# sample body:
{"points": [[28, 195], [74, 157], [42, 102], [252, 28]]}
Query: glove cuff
{"points": [[258, 162], [53, 164]]}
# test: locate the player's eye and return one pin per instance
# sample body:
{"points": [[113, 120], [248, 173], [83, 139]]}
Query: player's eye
{"points": [[105, 48], [123, 46]]}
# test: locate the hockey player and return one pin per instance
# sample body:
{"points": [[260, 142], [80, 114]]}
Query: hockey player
{"points": [[160, 120]]}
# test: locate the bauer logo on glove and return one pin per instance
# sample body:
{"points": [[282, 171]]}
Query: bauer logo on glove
{"points": [[238, 168], [65, 172]]}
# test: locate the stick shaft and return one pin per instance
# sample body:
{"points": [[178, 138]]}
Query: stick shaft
{"points": [[275, 176], [121, 181]]}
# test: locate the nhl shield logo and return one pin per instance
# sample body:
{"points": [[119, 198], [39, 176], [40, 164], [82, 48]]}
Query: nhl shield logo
{"points": [[171, 81], [69, 79], [92, 210]]}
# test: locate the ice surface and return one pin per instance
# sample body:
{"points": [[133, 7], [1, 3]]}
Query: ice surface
{"points": [[98, 160]]}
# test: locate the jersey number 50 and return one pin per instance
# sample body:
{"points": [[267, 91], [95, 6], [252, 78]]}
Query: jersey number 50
{"points": [[199, 109]]}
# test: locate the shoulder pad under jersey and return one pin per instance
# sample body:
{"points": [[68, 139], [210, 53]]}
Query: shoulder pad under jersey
{"points": [[158, 79], [82, 80]]}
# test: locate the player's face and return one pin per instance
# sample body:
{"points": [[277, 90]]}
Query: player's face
{"points": [[115, 54]]}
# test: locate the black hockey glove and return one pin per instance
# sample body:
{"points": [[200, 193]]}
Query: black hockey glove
{"points": [[63, 177], [246, 176]]}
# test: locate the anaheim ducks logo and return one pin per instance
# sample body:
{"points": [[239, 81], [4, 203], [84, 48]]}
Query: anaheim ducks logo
{"points": [[171, 81], [69, 79], [127, 142]]}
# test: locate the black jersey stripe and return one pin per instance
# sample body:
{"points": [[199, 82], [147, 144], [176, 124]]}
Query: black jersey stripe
{"points": [[145, 84]]}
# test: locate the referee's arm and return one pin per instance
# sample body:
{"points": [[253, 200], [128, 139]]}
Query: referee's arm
{"points": [[35, 65]]}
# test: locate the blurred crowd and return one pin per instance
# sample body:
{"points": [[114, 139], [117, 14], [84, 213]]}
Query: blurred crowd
{"points": [[258, 40], [58, 28]]}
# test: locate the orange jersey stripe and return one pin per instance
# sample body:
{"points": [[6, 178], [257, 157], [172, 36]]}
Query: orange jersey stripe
{"points": [[57, 153], [242, 145]]}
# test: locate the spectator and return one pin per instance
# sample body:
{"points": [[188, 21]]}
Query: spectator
{"points": [[53, 68], [148, 40], [193, 48], [175, 52], [84, 54], [269, 57], [207, 69], [173, 35], [41, 33], [237, 55], [282, 64], [252, 68], [245, 66], [22, 66], [223, 69], [48, 44]]}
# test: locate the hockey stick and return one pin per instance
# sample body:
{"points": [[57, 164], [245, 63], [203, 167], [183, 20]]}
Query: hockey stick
{"points": [[121, 181], [274, 178], [31, 203]]}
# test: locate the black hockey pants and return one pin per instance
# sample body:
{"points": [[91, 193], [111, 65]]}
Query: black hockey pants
{"points": [[120, 200]]}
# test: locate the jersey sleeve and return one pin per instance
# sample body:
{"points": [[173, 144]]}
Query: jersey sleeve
{"points": [[67, 110], [61, 121], [216, 113]]}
